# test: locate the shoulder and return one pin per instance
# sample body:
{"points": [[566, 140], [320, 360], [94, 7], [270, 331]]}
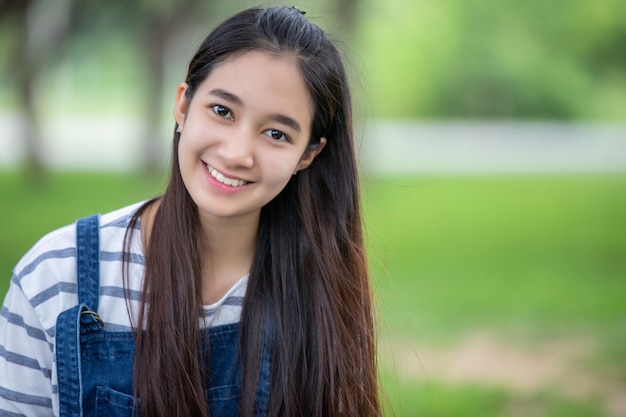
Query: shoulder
{"points": [[61, 243], [120, 217], [113, 227], [46, 274]]}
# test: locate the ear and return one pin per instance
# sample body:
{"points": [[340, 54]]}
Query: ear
{"points": [[182, 104], [309, 155]]}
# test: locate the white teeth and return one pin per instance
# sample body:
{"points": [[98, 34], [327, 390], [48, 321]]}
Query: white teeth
{"points": [[224, 180]]}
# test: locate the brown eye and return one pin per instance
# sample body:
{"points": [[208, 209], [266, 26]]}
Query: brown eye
{"points": [[276, 135], [222, 111]]}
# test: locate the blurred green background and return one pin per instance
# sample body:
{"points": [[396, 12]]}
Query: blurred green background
{"points": [[500, 293]]}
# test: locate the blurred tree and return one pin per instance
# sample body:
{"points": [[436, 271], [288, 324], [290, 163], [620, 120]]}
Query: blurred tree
{"points": [[23, 72], [347, 14], [562, 59], [37, 44], [43, 31], [154, 25]]}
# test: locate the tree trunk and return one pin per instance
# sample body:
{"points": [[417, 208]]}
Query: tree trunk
{"points": [[154, 55], [25, 74]]}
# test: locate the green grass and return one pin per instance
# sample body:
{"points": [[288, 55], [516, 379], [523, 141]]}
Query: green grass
{"points": [[415, 399], [525, 257], [533, 252]]}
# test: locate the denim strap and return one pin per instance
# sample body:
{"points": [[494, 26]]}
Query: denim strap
{"points": [[88, 261], [69, 322], [68, 357]]}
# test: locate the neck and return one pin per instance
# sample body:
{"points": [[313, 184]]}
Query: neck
{"points": [[229, 247]]}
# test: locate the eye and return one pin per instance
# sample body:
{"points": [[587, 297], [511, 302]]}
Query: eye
{"points": [[222, 111], [276, 135]]}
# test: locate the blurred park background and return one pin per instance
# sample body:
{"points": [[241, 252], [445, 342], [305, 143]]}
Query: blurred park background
{"points": [[492, 139]]}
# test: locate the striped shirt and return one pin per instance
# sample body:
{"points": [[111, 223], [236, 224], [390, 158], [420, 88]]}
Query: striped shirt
{"points": [[44, 284]]}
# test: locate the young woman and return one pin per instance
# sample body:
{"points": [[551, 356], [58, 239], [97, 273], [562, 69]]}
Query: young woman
{"points": [[243, 289]]}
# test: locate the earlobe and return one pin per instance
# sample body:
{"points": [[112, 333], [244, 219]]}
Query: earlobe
{"points": [[182, 103], [310, 154]]}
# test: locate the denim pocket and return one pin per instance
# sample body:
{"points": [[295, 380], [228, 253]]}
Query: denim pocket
{"points": [[111, 403], [223, 402]]}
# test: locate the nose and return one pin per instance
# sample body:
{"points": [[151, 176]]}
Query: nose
{"points": [[237, 149]]}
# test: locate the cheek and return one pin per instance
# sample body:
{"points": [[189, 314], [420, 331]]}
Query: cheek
{"points": [[188, 139], [188, 156], [279, 180], [184, 163], [184, 153], [194, 140], [279, 170]]}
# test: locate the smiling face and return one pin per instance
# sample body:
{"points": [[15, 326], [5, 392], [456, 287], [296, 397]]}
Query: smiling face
{"points": [[244, 134]]}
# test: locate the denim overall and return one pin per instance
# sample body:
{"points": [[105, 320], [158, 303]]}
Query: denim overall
{"points": [[94, 367]]}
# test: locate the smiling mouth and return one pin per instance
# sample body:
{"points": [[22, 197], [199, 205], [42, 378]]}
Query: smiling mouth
{"points": [[233, 182]]}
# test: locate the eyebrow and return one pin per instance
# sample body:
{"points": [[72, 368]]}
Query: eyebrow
{"points": [[226, 96], [287, 121], [280, 118]]}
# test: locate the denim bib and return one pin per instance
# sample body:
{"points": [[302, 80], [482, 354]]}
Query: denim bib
{"points": [[95, 367]]}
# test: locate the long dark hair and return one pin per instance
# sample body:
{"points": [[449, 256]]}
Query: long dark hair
{"points": [[309, 277]]}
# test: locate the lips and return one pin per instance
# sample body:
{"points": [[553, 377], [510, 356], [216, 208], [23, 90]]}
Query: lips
{"points": [[232, 182]]}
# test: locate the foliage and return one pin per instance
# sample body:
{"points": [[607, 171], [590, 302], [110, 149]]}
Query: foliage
{"points": [[560, 59], [496, 59]]}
